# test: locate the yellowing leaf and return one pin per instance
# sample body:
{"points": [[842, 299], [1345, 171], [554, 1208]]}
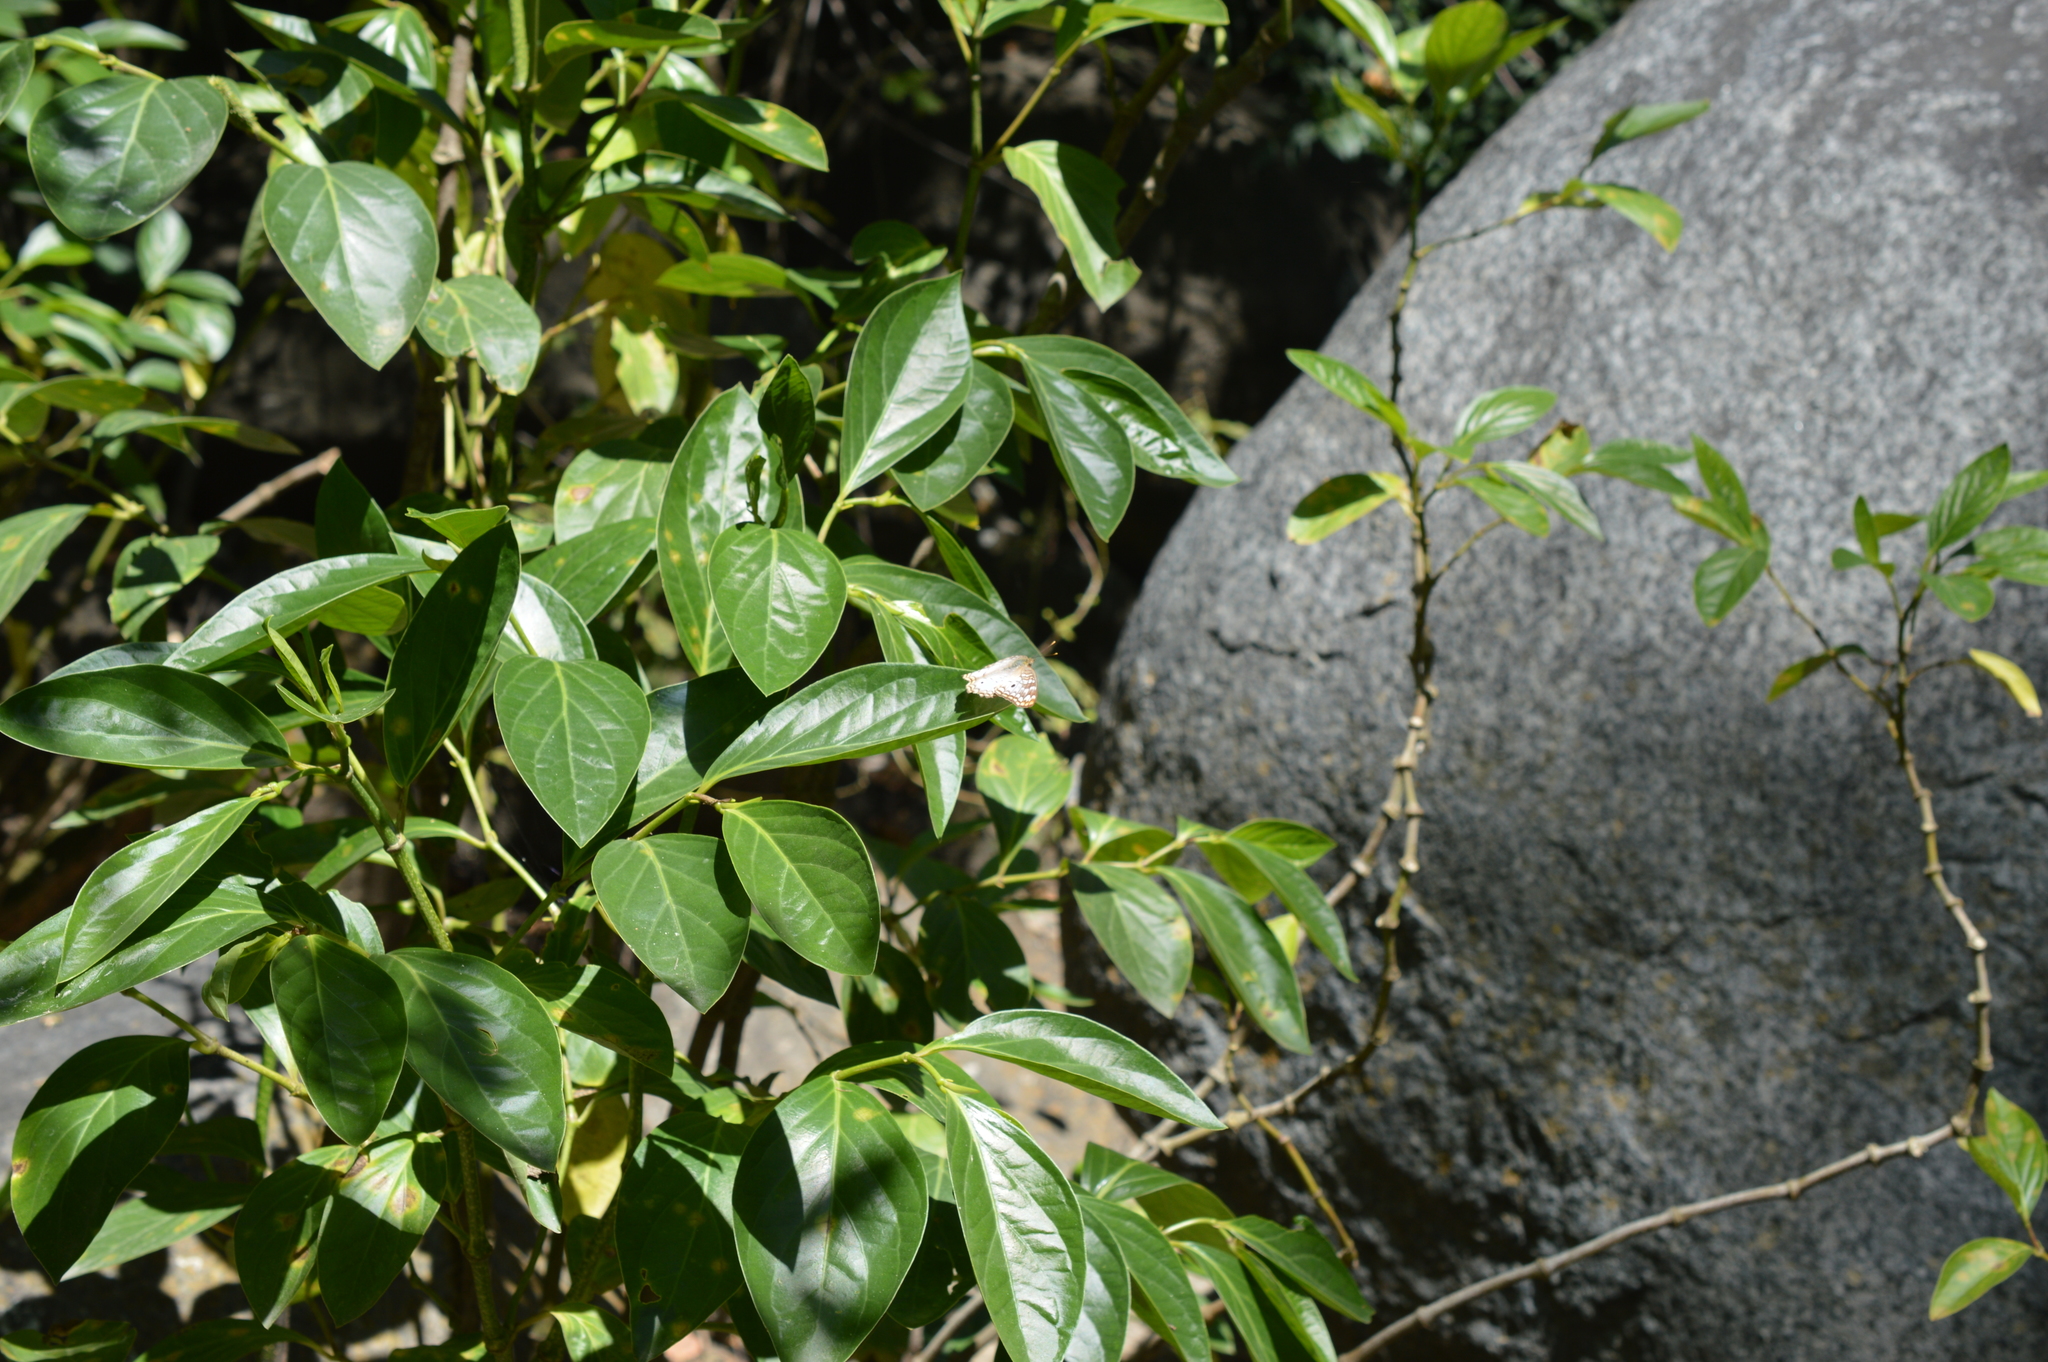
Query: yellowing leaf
{"points": [[2010, 676]]}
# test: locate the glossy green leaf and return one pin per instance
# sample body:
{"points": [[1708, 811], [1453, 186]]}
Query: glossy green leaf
{"points": [[1079, 194], [285, 601], [961, 944], [872, 708], [779, 595], [1024, 774], [829, 1205], [1161, 1295], [379, 1211], [788, 415], [1234, 1288], [1023, 1229], [1308, 1260], [765, 127], [486, 1046], [346, 1024], [146, 715], [92, 1126], [593, 568], [171, 1207], [1366, 19], [618, 480], [358, 240], [637, 30], [1300, 896], [1093, 454], [674, 1233], [575, 732], [1724, 579], [1105, 1292], [130, 885], [160, 248], [17, 66], [1298, 843], [26, 543], [112, 152], [278, 1232], [2011, 1152], [447, 649], [605, 1006], [726, 275], [908, 375], [1503, 412], [1118, 1177], [1087, 1055], [543, 624], [1140, 928], [219, 1340], [692, 725], [1967, 596], [677, 901], [1643, 120], [589, 1333], [1338, 502], [1644, 209], [1642, 462], [1248, 957], [1291, 1318], [1186, 454], [706, 491], [1969, 499], [1462, 41], [807, 872], [1972, 1270], [91, 1340], [937, 597], [484, 316], [940, 469], [151, 570]]}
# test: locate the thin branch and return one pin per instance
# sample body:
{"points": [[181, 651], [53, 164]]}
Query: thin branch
{"points": [[1545, 1268], [266, 492], [954, 1323], [207, 1045]]}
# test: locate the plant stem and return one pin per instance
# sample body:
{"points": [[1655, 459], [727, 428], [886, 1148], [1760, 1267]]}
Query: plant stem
{"points": [[207, 1045]]}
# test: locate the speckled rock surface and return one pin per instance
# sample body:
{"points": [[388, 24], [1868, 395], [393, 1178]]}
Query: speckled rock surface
{"points": [[1676, 941]]}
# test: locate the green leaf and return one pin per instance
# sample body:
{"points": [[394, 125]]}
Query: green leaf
{"points": [[486, 1046], [91, 1128], [110, 153], [618, 480], [1461, 45], [1086, 1055], [1338, 502], [1023, 1229], [829, 1206], [961, 944], [278, 1232], [638, 30], [876, 707], [1024, 774], [1642, 120], [788, 415], [936, 597], [1969, 499], [941, 1274], [1351, 385], [692, 725], [676, 900], [1300, 844], [147, 715], [542, 624], [151, 570], [1300, 896], [1724, 579], [706, 491], [1641, 462], [1093, 453], [285, 602], [91, 1340], [808, 874], [17, 66], [482, 315], [1079, 194], [2009, 674], [463, 525], [171, 1207], [604, 1006], [940, 469], [26, 543], [1161, 1294], [725, 275], [765, 127], [889, 1004], [347, 1027], [1291, 1318], [1554, 490], [1972, 1270], [346, 519], [1503, 412], [1797, 672], [908, 375], [674, 1234], [358, 240], [125, 889], [219, 1340], [1366, 19], [592, 569], [589, 1334], [1186, 453], [1307, 1258], [1644, 209], [447, 649], [575, 732], [1234, 1288], [378, 1214], [1141, 930], [1248, 956], [1968, 596], [165, 426], [772, 956], [2010, 1151], [1105, 1292], [779, 594]]}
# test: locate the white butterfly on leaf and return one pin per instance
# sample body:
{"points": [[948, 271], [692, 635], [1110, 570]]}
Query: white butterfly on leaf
{"points": [[1012, 679]]}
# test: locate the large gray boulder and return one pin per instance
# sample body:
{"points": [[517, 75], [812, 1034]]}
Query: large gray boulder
{"points": [[1677, 942]]}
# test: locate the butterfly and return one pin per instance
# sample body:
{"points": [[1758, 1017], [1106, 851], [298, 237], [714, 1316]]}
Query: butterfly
{"points": [[1010, 679]]}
